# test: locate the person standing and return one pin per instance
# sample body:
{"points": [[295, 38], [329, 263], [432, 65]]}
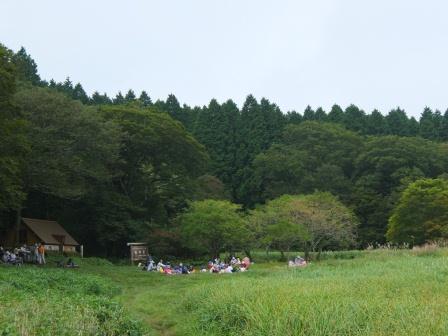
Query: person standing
{"points": [[35, 251], [41, 254]]}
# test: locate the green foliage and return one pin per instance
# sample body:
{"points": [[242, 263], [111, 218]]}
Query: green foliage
{"points": [[100, 99], [382, 170], [317, 221], [119, 99], [79, 94], [156, 173], [130, 96], [210, 187], [421, 213], [217, 128], [26, 67], [398, 123], [213, 226], [59, 302], [276, 225], [71, 145], [13, 143], [355, 119], [144, 99], [309, 156]]}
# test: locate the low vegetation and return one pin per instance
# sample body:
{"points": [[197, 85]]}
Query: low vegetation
{"points": [[377, 292], [381, 293], [37, 301]]}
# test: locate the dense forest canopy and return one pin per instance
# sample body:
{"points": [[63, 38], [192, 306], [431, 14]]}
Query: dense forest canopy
{"points": [[115, 169]]}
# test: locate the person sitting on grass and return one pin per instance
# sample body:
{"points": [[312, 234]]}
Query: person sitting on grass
{"points": [[210, 265], [160, 266], [149, 263], [71, 263], [245, 263], [298, 262], [185, 269], [177, 269], [12, 258]]}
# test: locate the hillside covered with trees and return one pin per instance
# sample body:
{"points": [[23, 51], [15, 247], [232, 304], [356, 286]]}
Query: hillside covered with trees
{"points": [[123, 168]]}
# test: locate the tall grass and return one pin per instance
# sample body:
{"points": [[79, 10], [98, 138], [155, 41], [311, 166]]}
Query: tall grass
{"points": [[53, 301], [383, 293]]}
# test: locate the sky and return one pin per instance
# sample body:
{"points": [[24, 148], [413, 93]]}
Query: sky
{"points": [[373, 53]]}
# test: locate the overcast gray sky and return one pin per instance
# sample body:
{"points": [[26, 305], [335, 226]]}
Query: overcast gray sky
{"points": [[375, 53]]}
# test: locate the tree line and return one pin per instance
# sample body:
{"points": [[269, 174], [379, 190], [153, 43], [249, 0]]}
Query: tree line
{"points": [[126, 168]]}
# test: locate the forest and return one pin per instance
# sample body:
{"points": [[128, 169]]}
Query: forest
{"points": [[127, 168]]}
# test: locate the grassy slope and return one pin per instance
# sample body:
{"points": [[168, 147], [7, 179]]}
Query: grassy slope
{"points": [[377, 293]]}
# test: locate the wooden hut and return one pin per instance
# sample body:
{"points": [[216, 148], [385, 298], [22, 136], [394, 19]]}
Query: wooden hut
{"points": [[51, 233]]}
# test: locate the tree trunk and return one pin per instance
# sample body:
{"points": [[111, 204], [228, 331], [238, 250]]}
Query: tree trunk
{"points": [[18, 225], [282, 255], [307, 252]]}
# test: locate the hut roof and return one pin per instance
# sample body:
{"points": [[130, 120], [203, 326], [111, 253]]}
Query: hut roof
{"points": [[50, 232]]}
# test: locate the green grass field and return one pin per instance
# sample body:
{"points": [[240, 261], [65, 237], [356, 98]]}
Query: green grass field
{"points": [[380, 292]]}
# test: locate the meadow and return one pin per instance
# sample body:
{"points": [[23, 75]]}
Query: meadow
{"points": [[379, 292]]}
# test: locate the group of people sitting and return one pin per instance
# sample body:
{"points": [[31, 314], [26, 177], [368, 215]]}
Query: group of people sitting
{"points": [[10, 257], [297, 262], [214, 266], [233, 265], [18, 256], [150, 266]]}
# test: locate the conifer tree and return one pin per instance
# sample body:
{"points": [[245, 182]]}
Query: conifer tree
{"points": [[376, 123], [80, 94], [398, 122], [119, 99], [130, 96], [144, 99], [336, 114], [52, 84], [427, 127], [100, 99], [26, 67], [443, 134], [261, 124], [308, 114], [414, 127], [438, 123], [354, 119], [320, 114], [174, 109], [294, 117], [67, 87]]}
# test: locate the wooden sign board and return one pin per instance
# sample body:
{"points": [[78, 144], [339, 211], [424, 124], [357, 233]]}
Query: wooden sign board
{"points": [[139, 251]]}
